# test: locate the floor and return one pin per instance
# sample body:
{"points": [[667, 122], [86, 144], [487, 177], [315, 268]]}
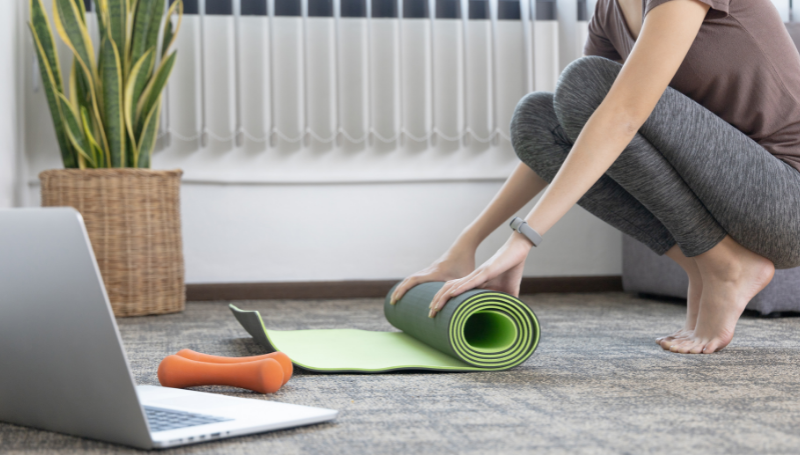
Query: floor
{"points": [[596, 384]]}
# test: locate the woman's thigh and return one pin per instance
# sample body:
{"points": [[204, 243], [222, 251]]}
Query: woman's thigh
{"points": [[540, 142], [754, 196]]}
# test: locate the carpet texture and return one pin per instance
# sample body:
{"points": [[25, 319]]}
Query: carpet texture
{"points": [[596, 384]]}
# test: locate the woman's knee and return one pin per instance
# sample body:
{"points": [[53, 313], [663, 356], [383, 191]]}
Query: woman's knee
{"points": [[581, 88], [531, 116]]}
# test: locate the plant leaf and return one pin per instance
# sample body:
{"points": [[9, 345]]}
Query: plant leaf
{"points": [[169, 33], [112, 103], [153, 90], [76, 37], [149, 135], [97, 151], [40, 27], [145, 27], [73, 85], [82, 11], [101, 10], [118, 24], [137, 79], [73, 32], [74, 130], [51, 93], [79, 87]]}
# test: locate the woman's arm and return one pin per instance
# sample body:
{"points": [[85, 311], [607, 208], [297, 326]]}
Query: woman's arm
{"points": [[459, 260], [522, 186], [666, 36]]}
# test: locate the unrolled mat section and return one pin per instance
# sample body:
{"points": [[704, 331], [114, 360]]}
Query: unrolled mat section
{"points": [[479, 330]]}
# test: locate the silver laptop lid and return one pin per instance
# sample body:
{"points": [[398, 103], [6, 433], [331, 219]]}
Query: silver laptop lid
{"points": [[62, 365]]}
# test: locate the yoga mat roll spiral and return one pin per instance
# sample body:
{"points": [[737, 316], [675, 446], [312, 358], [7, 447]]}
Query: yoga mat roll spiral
{"points": [[479, 330]]}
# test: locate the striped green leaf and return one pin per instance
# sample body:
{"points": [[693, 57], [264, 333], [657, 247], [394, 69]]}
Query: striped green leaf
{"points": [[112, 103], [82, 11], [51, 91], [145, 27], [117, 25], [101, 10], [76, 36], [79, 87], [170, 32], [153, 90], [40, 28], [74, 33], [147, 142], [74, 131], [138, 77], [73, 85], [97, 151]]}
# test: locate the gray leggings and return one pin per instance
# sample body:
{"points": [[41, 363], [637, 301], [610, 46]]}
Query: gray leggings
{"points": [[687, 177]]}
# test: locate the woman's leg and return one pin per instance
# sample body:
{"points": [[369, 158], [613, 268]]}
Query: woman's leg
{"points": [[693, 295], [540, 142], [721, 182], [699, 175]]}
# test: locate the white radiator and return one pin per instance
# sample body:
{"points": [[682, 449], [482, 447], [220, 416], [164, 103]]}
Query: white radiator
{"points": [[357, 90]]}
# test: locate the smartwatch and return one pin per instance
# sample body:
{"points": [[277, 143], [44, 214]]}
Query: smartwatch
{"points": [[519, 225]]}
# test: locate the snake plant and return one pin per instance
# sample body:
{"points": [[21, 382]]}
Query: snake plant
{"points": [[109, 114]]}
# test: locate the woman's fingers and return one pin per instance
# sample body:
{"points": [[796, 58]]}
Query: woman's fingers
{"points": [[404, 286], [441, 298], [471, 281], [453, 288], [442, 291]]}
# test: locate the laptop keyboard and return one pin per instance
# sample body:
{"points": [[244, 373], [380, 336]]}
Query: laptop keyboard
{"points": [[168, 419]]}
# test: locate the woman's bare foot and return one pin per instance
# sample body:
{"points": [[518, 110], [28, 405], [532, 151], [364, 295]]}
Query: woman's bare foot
{"points": [[732, 275], [693, 297]]}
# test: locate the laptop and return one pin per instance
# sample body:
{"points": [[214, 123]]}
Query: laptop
{"points": [[62, 364]]}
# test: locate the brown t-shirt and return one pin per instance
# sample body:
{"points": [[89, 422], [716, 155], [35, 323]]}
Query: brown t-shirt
{"points": [[743, 66]]}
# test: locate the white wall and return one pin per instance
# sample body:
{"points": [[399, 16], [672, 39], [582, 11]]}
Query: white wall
{"points": [[9, 125], [254, 233]]}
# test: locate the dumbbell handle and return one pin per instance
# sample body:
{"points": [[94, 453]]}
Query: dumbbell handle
{"points": [[282, 358], [264, 376]]}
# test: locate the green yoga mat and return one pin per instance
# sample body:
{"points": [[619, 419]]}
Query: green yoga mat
{"points": [[479, 330]]}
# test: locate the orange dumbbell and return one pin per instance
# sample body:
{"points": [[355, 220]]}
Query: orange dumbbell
{"points": [[261, 374], [282, 358]]}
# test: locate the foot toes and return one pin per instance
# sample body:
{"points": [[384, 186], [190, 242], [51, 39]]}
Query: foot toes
{"points": [[676, 346], [713, 346], [665, 345], [683, 346], [697, 349]]}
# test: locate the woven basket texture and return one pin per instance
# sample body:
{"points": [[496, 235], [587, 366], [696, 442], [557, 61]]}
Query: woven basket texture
{"points": [[133, 220]]}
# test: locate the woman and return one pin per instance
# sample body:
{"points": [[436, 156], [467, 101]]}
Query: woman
{"points": [[705, 170]]}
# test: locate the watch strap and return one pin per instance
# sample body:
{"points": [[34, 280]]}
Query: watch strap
{"points": [[519, 225]]}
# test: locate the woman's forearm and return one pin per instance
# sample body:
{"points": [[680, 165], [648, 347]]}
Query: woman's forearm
{"points": [[522, 186], [605, 135]]}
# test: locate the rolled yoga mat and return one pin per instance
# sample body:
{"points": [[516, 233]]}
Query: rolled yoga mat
{"points": [[479, 330]]}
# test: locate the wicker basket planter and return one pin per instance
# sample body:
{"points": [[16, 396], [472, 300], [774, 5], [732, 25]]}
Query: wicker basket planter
{"points": [[133, 220]]}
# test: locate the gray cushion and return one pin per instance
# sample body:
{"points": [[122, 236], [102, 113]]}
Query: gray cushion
{"points": [[646, 272]]}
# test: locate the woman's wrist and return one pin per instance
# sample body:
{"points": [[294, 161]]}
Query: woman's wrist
{"points": [[468, 241], [518, 241]]}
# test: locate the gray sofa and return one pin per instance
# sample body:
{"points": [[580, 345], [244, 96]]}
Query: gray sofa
{"points": [[645, 272]]}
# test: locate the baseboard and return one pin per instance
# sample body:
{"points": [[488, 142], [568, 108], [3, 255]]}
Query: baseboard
{"points": [[377, 288]]}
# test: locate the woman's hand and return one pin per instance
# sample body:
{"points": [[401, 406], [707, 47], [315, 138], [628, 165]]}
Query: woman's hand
{"points": [[502, 272], [458, 261]]}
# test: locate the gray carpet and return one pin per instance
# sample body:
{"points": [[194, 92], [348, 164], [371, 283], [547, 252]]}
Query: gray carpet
{"points": [[596, 384]]}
